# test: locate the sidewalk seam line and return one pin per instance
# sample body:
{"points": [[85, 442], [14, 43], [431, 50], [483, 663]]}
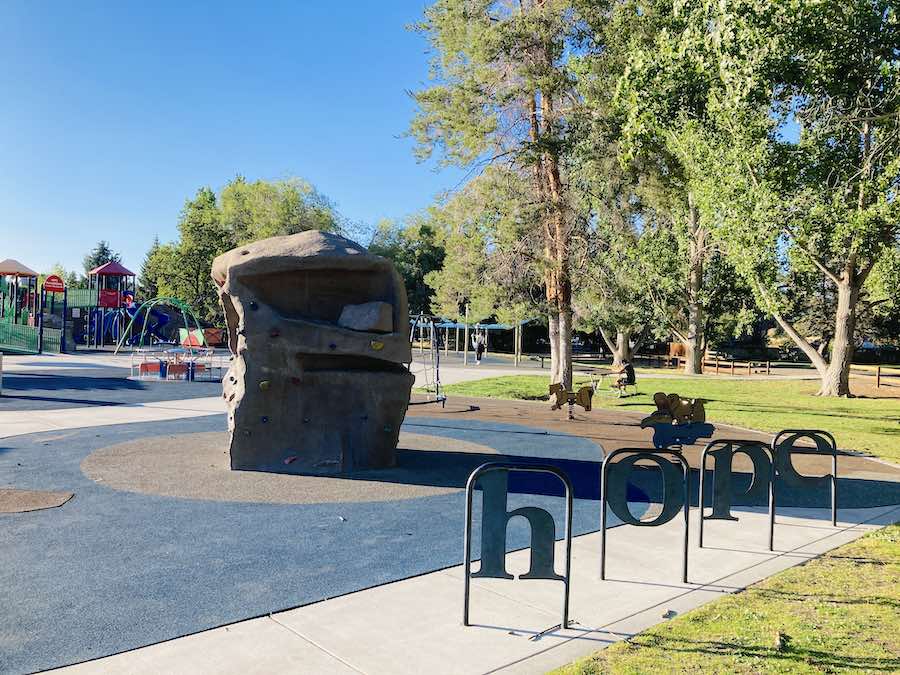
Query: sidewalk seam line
{"points": [[316, 645]]}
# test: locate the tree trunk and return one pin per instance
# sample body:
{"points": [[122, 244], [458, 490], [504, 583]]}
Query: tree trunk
{"points": [[553, 334], [836, 379], [565, 349], [622, 348], [693, 343]]}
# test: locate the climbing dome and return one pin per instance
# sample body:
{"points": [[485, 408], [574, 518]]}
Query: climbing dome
{"points": [[142, 318]]}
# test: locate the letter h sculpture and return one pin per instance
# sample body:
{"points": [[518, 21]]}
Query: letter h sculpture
{"points": [[494, 519]]}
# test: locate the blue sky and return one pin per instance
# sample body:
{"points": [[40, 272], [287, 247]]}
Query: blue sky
{"points": [[113, 114]]}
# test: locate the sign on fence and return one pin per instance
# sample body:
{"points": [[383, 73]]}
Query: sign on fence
{"points": [[53, 284]]}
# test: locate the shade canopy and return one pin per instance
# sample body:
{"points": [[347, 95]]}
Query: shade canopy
{"points": [[111, 269], [13, 268]]}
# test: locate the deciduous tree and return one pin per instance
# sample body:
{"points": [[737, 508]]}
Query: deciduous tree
{"points": [[502, 87]]}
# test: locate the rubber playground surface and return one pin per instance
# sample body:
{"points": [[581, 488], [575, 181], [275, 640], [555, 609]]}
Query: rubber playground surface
{"points": [[161, 539]]}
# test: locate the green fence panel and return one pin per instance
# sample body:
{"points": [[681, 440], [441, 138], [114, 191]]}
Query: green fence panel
{"points": [[14, 337], [52, 339]]}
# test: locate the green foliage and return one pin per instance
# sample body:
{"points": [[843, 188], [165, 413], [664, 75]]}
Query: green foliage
{"points": [[416, 249], [462, 283], [71, 278], [489, 59], [183, 269], [262, 209], [99, 255], [147, 279], [211, 225], [492, 261], [711, 89]]}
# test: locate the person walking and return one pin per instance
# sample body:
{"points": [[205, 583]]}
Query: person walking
{"points": [[478, 344]]}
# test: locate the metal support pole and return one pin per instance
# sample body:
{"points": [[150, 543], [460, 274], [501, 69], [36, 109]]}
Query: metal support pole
{"points": [[702, 499], [820, 438], [516, 345], [41, 324], [466, 339], [62, 338]]}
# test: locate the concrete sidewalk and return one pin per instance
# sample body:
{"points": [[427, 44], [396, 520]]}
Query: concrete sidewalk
{"points": [[15, 422], [414, 625]]}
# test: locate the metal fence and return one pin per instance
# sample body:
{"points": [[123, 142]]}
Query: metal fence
{"points": [[17, 338], [52, 340]]}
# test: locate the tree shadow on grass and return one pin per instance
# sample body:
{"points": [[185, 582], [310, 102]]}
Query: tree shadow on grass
{"points": [[827, 598], [792, 410], [810, 657]]}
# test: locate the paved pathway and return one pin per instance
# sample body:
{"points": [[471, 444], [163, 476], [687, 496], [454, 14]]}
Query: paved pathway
{"points": [[413, 624]]}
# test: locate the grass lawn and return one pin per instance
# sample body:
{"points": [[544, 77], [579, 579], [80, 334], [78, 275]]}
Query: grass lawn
{"points": [[864, 424], [837, 613]]}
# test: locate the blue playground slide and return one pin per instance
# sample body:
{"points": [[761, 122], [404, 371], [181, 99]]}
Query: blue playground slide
{"points": [[157, 320], [154, 324]]}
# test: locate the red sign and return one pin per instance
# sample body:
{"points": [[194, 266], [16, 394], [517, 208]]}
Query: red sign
{"points": [[109, 297], [53, 284]]}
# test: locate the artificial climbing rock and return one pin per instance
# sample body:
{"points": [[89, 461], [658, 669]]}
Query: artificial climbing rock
{"points": [[318, 328]]}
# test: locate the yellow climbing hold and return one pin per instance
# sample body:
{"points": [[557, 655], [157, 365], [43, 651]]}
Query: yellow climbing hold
{"points": [[264, 385], [377, 345]]}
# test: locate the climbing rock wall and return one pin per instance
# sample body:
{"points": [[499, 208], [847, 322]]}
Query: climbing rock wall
{"points": [[319, 331]]}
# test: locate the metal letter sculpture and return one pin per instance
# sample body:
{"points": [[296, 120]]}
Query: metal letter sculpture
{"points": [[723, 452], [495, 518], [784, 445], [615, 494]]}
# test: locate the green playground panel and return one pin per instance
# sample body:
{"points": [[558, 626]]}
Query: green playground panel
{"points": [[81, 297]]}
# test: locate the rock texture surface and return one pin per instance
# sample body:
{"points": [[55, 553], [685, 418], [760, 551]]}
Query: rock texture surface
{"points": [[318, 328]]}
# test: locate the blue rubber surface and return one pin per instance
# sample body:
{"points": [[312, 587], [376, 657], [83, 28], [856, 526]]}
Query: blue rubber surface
{"points": [[113, 570]]}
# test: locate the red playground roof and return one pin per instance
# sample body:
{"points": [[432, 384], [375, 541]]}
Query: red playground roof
{"points": [[13, 268], [111, 269]]}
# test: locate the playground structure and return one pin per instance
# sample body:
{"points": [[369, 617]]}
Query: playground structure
{"points": [[428, 366], [109, 283], [178, 364], [190, 362], [45, 315], [25, 325], [150, 321], [18, 301]]}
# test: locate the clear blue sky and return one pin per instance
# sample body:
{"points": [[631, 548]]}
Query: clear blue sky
{"points": [[112, 114]]}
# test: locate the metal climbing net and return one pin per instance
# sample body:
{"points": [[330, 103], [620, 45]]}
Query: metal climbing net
{"points": [[427, 366]]}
